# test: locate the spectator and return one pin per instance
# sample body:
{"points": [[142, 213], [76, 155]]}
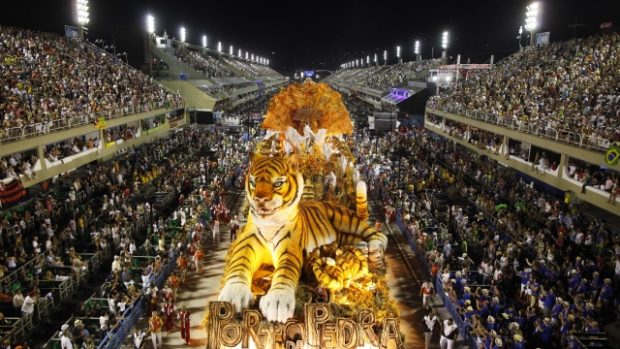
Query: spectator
{"points": [[28, 305]]}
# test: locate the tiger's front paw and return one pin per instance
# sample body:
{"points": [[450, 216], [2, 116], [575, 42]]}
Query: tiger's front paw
{"points": [[237, 293], [278, 305]]}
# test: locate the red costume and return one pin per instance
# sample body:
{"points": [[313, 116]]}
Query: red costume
{"points": [[184, 324], [169, 311]]}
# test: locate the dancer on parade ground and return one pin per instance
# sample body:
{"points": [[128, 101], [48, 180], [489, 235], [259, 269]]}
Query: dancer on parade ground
{"points": [[155, 325], [169, 311], [184, 324], [182, 263]]}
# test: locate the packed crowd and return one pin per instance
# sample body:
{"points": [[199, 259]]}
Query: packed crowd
{"points": [[103, 208], [567, 87], [589, 175], [123, 132], [594, 176], [201, 218], [61, 150], [254, 70], [383, 77], [522, 269], [210, 66], [18, 166], [49, 81]]}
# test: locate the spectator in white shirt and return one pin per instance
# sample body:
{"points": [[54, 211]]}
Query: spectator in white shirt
{"points": [[448, 334], [28, 306], [429, 327], [18, 300], [104, 324], [116, 264], [65, 341]]}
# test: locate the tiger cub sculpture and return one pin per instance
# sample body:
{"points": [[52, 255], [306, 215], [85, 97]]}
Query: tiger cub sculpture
{"points": [[281, 230]]}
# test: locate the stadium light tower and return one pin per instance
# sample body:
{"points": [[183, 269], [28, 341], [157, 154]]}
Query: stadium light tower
{"points": [[81, 11], [376, 61], [231, 49], [150, 29], [252, 57], [444, 43], [532, 13], [219, 47], [398, 54], [247, 55], [182, 33], [367, 60], [416, 50], [240, 55], [385, 57], [204, 41]]}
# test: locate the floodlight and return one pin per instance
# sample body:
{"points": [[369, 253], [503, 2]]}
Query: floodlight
{"points": [[150, 24], [182, 34], [81, 7], [444, 40]]}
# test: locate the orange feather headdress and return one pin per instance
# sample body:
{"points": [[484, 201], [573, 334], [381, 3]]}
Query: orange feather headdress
{"points": [[314, 104]]}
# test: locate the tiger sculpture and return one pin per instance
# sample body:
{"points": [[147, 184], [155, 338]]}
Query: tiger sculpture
{"points": [[282, 230]]}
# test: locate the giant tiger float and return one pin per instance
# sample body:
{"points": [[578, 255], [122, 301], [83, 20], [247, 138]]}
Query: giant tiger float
{"points": [[307, 270]]}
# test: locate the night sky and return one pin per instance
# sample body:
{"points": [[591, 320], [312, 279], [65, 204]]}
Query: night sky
{"points": [[321, 34]]}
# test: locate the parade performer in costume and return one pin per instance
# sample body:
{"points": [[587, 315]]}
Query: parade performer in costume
{"points": [[155, 325], [182, 264], [184, 324], [198, 256], [174, 282], [169, 311]]}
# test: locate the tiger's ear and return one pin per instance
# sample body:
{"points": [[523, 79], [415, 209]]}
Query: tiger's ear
{"points": [[292, 160]]}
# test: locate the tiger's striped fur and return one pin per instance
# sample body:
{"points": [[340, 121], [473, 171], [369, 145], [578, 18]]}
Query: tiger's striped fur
{"points": [[281, 230]]}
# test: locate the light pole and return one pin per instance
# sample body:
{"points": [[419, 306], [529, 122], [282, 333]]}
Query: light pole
{"points": [[532, 13], [519, 37], [150, 29], [219, 48], [204, 43], [444, 44], [398, 54], [385, 57], [376, 61], [81, 10], [231, 49]]}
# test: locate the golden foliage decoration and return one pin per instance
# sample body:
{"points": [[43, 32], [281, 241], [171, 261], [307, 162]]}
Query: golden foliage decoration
{"points": [[315, 104]]}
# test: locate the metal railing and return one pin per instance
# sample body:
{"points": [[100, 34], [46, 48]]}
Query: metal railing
{"points": [[18, 133], [532, 127]]}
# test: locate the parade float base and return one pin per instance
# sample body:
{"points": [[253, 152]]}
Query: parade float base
{"points": [[359, 316]]}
